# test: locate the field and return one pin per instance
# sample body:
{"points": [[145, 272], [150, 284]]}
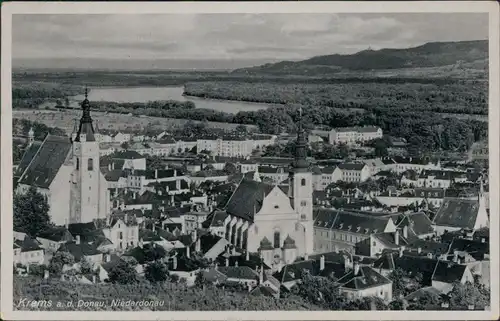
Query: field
{"points": [[66, 120]]}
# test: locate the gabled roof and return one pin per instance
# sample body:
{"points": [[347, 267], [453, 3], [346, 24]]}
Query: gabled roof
{"points": [[128, 154], [476, 249], [348, 221], [80, 250], [418, 223], [46, 162], [366, 278], [247, 199], [459, 213], [352, 166], [411, 264], [81, 228], [28, 244], [56, 234], [448, 272], [215, 219], [239, 272], [28, 155]]}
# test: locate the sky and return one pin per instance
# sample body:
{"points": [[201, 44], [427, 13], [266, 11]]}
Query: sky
{"points": [[236, 37]]}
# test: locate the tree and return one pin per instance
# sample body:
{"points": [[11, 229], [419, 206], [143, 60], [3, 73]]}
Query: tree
{"points": [[464, 295], [123, 273], [59, 260], [241, 129], [31, 212], [85, 266], [154, 253], [125, 145], [230, 169], [156, 271]]}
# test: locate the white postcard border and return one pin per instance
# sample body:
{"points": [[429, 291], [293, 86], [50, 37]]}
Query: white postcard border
{"points": [[8, 9]]}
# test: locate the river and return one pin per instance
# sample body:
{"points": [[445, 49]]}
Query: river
{"points": [[145, 94]]}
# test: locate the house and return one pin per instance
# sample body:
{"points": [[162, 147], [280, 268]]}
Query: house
{"points": [[322, 177], [240, 274], [352, 135], [354, 172], [338, 229], [440, 178], [52, 239], [400, 164], [457, 214], [28, 251], [363, 281], [123, 231], [446, 274], [183, 267], [80, 251]]}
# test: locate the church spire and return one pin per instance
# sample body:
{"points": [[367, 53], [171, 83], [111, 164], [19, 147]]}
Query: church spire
{"points": [[300, 163], [86, 128]]}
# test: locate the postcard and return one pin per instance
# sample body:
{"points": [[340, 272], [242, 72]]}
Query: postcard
{"points": [[250, 161]]}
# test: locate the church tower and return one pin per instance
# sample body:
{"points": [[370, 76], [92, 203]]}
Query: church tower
{"points": [[85, 187], [301, 188]]}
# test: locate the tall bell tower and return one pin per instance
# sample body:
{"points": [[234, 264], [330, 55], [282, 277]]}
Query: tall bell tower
{"points": [[301, 187], [85, 187]]}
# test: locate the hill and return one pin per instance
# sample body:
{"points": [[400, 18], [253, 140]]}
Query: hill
{"points": [[460, 55]]}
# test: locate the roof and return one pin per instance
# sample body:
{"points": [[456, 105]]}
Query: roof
{"points": [[418, 223], [28, 155], [127, 154], [28, 244], [80, 250], [56, 234], [365, 129], [247, 199], [459, 213], [215, 219], [422, 292], [348, 221], [448, 272], [46, 162], [239, 272], [81, 228], [476, 249], [409, 263], [114, 175], [366, 278], [352, 166]]}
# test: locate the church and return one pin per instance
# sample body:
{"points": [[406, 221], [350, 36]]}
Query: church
{"points": [[275, 221], [66, 170]]}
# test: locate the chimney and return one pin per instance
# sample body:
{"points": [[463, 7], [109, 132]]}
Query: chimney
{"points": [[356, 269], [405, 232], [78, 239], [109, 166], [174, 263], [261, 274], [94, 279], [66, 225], [141, 242], [247, 257], [347, 263], [112, 165], [153, 226], [249, 287], [401, 251], [419, 250], [156, 174], [135, 195], [188, 252], [396, 237], [46, 274], [322, 263], [227, 260], [236, 263], [306, 257], [107, 258], [455, 256]]}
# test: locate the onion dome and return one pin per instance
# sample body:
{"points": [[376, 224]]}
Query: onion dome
{"points": [[265, 244], [289, 243]]}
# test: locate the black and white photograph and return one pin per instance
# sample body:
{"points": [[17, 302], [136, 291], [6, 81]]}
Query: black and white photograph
{"points": [[214, 159]]}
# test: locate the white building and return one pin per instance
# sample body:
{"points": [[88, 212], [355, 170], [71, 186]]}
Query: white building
{"points": [[353, 135], [354, 172], [28, 251], [67, 172]]}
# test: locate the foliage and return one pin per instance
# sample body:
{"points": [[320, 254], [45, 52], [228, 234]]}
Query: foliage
{"points": [[37, 269], [21, 127], [463, 295], [31, 212], [125, 145], [175, 296], [123, 273], [230, 169], [156, 272], [59, 260], [403, 284], [85, 266], [319, 291], [154, 253]]}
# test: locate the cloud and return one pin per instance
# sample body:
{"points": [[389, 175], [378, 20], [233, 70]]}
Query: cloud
{"points": [[232, 36]]}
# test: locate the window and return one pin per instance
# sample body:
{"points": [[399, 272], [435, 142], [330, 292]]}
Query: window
{"points": [[303, 182], [90, 166], [120, 236], [77, 164], [303, 203], [276, 240]]}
